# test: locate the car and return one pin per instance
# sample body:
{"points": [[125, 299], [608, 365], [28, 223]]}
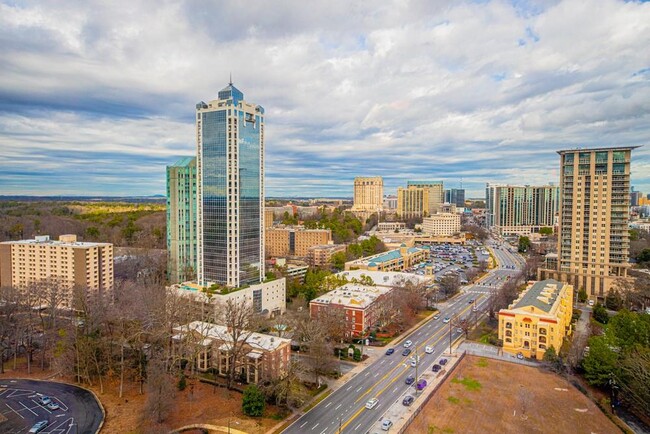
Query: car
{"points": [[38, 426], [386, 424], [471, 300], [436, 368], [371, 403], [520, 356], [475, 309], [590, 302], [408, 400], [442, 362], [390, 351], [53, 406], [406, 352], [410, 379], [408, 344], [421, 384], [446, 320], [436, 317], [459, 330], [428, 349], [44, 400], [413, 362]]}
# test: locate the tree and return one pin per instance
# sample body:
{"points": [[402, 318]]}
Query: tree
{"points": [[614, 300], [253, 402], [582, 295], [450, 285], [600, 314], [552, 359], [338, 260], [524, 244], [546, 231], [160, 390], [635, 379]]}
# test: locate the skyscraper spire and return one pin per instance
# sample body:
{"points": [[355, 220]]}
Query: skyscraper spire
{"points": [[230, 82]]}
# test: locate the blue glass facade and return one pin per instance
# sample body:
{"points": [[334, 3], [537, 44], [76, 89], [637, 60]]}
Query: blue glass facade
{"points": [[231, 144]]}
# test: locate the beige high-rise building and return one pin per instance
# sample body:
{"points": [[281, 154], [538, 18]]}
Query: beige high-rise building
{"points": [[368, 196], [66, 262], [420, 199], [441, 224], [291, 241], [593, 241]]}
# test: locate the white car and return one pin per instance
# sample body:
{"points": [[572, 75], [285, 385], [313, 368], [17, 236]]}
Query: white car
{"points": [[428, 349], [414, 361], [446, 320], [386, 424], [408, 344], [371, 403]]}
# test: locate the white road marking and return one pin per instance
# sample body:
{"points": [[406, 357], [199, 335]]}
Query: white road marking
{"points": [[359, 388], [21, 416], [323, 431], [28, 409], [337, 407], [357, 427], [328, 404], [349, 388], [375, 376], [303, 424], [315, 426], [367, 373]]}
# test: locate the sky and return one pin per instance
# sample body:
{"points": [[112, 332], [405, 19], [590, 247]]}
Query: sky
{"points": [[96, 97]]}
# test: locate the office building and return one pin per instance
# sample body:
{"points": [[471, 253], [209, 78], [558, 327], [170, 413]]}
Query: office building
{"points": [[521, 209], [269, 217], [419, 199], [593, 241], [441, 224], [230, 190], [181, 220], [294, 241], [390, 202], [262, 357], [538, 319], [455, 196], [391, 226], [368, 196], [67, 263], [321, 255]]}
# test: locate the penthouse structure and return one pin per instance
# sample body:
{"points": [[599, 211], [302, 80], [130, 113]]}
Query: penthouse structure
{"points": [[262, 357], [66, 263], [521, 209], [538, 319], [593, 241]]}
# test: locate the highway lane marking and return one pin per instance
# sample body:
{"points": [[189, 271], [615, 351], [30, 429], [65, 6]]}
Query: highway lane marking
{"points": [[317, 423], [375, 376], [359, 388], [328, 404], [367, 373], [304, 424], [357, 427], [21, 416], [323, 431], [349, 388], [337, 407]]}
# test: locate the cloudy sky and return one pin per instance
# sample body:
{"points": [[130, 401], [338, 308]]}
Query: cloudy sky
{"points": [[97, 98]]}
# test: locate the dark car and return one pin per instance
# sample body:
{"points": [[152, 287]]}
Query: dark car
{"points": [[406, 352], [443, 361], [390, 351], [436, 367], [408, 400], [410, 379]]}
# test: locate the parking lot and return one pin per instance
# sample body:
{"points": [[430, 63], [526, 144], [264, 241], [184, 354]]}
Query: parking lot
{"points": [[24, 403], [451, 259]]}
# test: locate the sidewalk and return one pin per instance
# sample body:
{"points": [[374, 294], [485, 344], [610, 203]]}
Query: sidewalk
{"points": [[491, 352]]}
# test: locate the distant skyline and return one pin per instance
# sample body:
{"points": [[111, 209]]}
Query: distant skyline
{"points": [[96, 98]]}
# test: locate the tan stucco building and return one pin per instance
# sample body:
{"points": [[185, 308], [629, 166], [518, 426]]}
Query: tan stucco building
{"points": [[321, 255], [66, 262], [420, 199], [368, 196], [538, 319]]}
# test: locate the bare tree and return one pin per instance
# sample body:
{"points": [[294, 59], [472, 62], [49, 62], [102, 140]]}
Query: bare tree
{"points": [[160, 390], [9, 310]]}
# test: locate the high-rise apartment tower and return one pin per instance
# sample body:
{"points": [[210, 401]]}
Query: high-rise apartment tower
{"points": [[181, 220], [230, 190], [521, 209], [368, 196], [593, 241]]}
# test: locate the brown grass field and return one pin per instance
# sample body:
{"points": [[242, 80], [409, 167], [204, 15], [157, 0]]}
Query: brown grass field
{"points": [[491, 396]]}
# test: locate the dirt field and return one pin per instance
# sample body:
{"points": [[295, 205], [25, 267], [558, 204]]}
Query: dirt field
{"points": [[200, 403], [485, 396]]}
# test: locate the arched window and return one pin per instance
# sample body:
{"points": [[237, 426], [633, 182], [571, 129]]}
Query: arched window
{"points": [[508, 325], [542, 331], [542, 339], [542, 346], [508, 340], [508, 333], [526, 345]]}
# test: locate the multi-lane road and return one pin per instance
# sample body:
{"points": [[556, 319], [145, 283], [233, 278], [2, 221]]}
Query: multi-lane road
{"points": [[384, 379]]}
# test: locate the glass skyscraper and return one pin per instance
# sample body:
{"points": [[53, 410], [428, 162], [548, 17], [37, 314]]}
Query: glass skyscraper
{"points": [[230, 190]]}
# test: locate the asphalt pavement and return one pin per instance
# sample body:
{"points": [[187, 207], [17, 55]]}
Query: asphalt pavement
{"points": [[79, 411], [344, 410]]}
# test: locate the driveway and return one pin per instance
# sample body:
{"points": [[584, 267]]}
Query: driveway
{"points": [[79, 411]]}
